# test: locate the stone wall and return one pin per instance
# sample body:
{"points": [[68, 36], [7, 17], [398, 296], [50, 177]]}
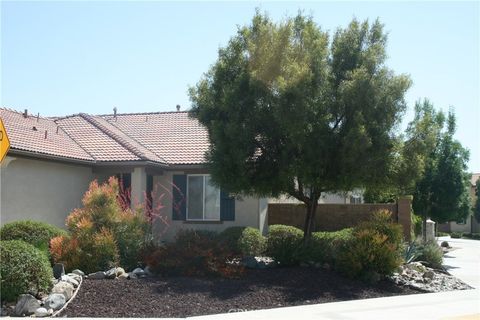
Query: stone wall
{"points": [[332, 217]]}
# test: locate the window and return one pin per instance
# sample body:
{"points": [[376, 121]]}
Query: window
{"points": [[203, 199]]}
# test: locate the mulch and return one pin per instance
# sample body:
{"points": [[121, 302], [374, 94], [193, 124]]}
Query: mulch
{"points": [[187, 296]]}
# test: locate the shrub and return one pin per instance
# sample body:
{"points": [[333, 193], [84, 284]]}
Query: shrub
{"points": [[410, 253], [35, 233], [251, 242], [24, 268], [229, 238], [194, 253], [475, 236], [284, 244], [442, 234], [374, 250], [416, 225], [431, 253], [103, 233], [324, 246], [456, 235]]}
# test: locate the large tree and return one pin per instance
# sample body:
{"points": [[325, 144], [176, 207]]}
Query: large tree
{"points": [[442, 192], [289, 111]]}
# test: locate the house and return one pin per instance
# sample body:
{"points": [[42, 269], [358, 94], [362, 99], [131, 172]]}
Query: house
{"points": [[52, 161], [470, 224]]}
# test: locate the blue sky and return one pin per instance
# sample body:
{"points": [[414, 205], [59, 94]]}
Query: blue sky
{"points": [[61, 58]]}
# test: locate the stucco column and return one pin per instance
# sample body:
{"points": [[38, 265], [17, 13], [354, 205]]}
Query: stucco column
{"points": [[404, 207], [139, 186]]}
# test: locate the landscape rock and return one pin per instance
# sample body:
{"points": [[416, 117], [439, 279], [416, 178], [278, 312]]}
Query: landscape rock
{"points": [[75, 276], [64, 288], [119, 271], [58, 270], [55, 301], [132, 275], [79, 272], [147, 271], [249, 262], [41, 312], [70, 280], [26, 305], [111, 274], [123, 276], [138, 272], [97, 275]]}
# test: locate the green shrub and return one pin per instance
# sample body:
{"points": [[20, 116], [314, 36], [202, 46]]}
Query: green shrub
{"points": [[251, 242], [375, 250], [442, 234], [324, 246], [284, 244], [23, 269], [456, 235], [416, 225], [431, 253], [35, 233], [229, 238], [475, 236]]}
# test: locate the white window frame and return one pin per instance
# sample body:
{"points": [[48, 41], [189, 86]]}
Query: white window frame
{"points": [[203, 202]]}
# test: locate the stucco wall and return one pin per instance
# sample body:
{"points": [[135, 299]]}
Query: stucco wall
{"points": [[246, 212], [41, 190]]}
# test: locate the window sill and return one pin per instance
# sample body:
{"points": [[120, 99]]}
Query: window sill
{"points": [[202, 222]]}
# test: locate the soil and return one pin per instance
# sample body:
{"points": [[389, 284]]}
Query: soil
{"points": [[187, 296]]}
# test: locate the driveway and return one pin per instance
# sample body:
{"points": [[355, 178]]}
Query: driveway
{"points": [[464, 260]]}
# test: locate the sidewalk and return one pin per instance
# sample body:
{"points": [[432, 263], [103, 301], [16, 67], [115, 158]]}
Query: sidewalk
{"points": [[463, 262]]}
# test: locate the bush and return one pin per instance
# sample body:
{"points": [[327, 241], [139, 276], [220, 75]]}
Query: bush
{"points": [[475, 236], [284, 244], [35, 233], [456, 235], [251, 242], [24, 268], [194, 253], [374, 250], [104, 233], [324, 246], [431, 253], [442, 234], [229, 238]]}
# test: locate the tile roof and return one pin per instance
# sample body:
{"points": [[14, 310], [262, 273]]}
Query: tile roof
{"points": [[166, 138], [174, 136], [40, 135]]}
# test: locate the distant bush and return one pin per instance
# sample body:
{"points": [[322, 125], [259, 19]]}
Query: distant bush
{"points": [[35, 233], [251, 242], [442, 234], [23, 269], [324, 246], [104, 233], [374, 250], [284, 244], [456, 235], [194, 253], [474, 236]]}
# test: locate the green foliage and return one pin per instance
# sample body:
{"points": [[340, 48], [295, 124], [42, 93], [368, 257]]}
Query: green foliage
{"points": [[431, 253], [411, 252], [194, 253], [103, 232], [251, 242], [229, 238], [456, 235], [341, 99], [35, 233], [24, 268], [442, 234], [474, 236], [284, 244], [416, 225], [476, 208], [324, 246], [374, 250]]}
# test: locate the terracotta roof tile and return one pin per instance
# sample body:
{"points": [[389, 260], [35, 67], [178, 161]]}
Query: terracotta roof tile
{"points": [[28, 134]]}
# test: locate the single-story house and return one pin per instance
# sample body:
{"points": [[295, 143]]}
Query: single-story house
{"points": [[52, 161]]}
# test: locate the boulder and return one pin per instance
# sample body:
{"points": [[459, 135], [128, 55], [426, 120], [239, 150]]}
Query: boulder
{"points": [[58, 270], [41, 312], [123, 276], [55, 301], [79, 272], [64, 288], [132, 275], [119, 271], [97, 275], [70, 280], [26, 305], [111, 274], [75, 276], [138, 272], [147, 271]]}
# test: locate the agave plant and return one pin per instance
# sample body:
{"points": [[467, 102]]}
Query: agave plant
{"points": [[411, 252]]}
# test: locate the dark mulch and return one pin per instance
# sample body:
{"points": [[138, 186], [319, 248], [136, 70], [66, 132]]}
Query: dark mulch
{"points": [[184, 296]]}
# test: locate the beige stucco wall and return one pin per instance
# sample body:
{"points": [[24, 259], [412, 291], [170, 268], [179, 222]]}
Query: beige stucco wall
{"points": [[246, 212], [41, 190]]}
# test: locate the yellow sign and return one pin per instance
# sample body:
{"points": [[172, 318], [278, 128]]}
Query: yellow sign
{"points": [[4, 142]]}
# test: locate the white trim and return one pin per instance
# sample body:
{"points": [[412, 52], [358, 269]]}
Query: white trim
{"points": [[203, 202]]}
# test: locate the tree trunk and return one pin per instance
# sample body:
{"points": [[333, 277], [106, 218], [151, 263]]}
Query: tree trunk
{"points": [[309, 220]]}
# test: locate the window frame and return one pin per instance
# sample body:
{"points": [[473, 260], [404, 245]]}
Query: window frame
{"points": [[204, 176]]}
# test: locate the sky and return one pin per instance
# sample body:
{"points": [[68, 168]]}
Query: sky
{"points": [[65, 57]]}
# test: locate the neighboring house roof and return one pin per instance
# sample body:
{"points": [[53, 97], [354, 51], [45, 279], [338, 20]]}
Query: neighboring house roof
{"points": [[474, 178], [166, 138], [28, 134]]}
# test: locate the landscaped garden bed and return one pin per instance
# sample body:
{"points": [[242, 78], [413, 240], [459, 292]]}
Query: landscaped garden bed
{"points": [[193, 296]]}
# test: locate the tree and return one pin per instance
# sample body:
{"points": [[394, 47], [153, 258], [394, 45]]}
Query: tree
{"points": [[476, 208], [442, 191], [290, 112]]}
